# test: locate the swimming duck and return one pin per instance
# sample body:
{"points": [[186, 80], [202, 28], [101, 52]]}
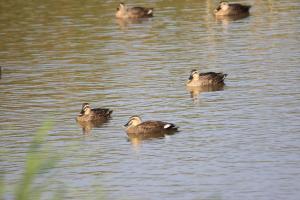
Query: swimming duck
{"points": [[133, 13], [205, 79], [87, 114], [226, 9], [135, 128]]}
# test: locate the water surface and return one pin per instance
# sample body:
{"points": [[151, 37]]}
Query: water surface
{"points": [[241, 142]]}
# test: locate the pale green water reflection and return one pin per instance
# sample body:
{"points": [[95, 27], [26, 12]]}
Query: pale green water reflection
{"points": [[241, 142]]}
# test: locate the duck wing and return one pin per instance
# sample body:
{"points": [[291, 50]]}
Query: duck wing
{"points": [[140, 11], [103, 112], [218, 77], [156, 126], [239, 8]]}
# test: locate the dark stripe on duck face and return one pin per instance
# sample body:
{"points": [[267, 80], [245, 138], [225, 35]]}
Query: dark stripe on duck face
{"points": [[193, 72], [130, 121], [84, 105], [83, 109], [81, 113], [218, 8], [133, 120], [127, 124]]}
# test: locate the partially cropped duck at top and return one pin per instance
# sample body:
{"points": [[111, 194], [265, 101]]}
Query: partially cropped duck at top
{"points": [[133, 13], [135, 128], [205, 79], [88, 114], [231, 9]]}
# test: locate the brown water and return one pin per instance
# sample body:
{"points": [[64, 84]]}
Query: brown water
{"points": [[241, 142]]}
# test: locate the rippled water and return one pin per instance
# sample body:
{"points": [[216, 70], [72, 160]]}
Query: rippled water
{"points": [[241, 142]]}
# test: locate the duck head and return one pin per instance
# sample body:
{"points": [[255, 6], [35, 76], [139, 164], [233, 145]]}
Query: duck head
{"points": [[122, 7], [121, 11], [223, 5], [194, 75], [133, 121], [86, 109]]}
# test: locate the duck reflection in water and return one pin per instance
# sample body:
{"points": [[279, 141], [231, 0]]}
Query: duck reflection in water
{"points": [[89, 118], [227, 19], [138, 130], [195, 91], [124, 23], [88, 126]]}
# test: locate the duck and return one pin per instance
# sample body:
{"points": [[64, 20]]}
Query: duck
{"points": [[205, 79], [133, 13], [135, 128], [231, 9], [88, 114]]}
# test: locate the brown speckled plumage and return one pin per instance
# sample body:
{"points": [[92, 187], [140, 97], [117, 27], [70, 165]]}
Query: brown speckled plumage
{"points": [[133, 13]]}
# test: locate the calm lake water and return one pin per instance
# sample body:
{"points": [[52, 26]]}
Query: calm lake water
{"points": [[242, 142]]}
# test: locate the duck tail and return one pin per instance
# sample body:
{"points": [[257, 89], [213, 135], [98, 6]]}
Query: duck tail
{"points": [[108, 113], [247, 8], [222, 78], [170, 126], [150, 11]]}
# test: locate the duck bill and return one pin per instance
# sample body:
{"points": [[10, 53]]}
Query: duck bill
{"points": [[217, 9], [191, 77], [81, 113], [126, 125]]}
